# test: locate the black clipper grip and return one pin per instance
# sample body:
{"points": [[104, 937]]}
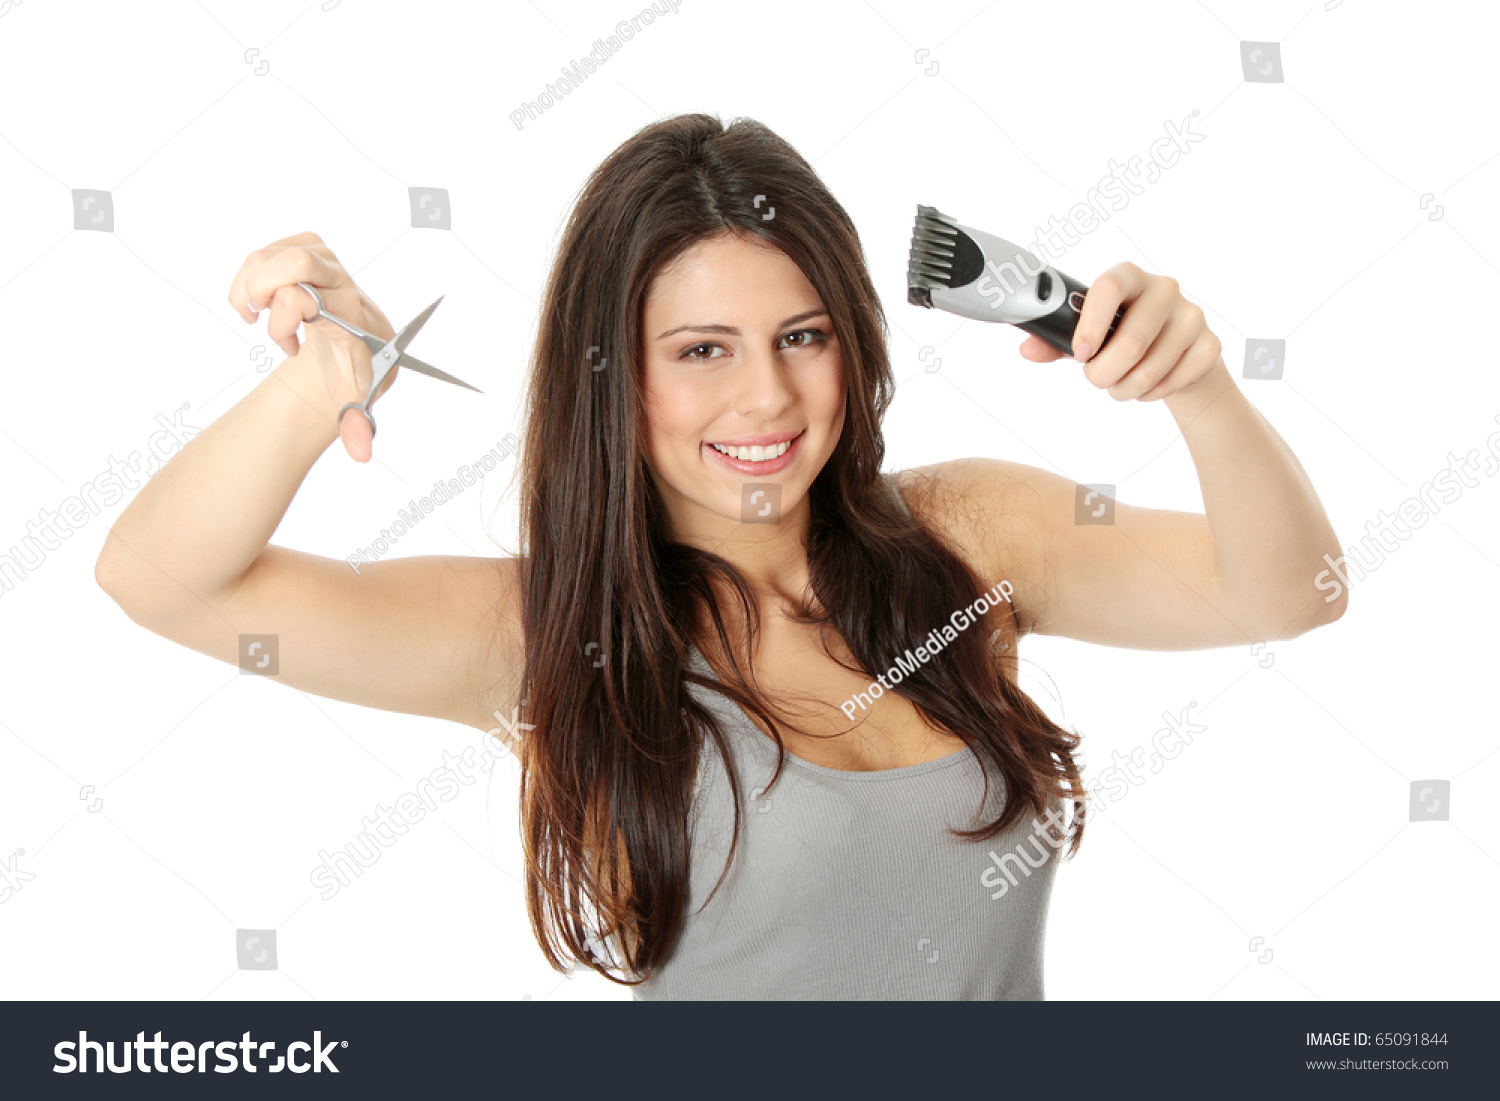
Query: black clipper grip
{"points": [[1057, 328]]}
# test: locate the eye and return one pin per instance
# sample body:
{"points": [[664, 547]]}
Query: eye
{"points": [[810, 338], [693, 350]]}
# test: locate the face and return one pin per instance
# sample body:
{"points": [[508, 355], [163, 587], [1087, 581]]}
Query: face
{"points": [[739, 357]]}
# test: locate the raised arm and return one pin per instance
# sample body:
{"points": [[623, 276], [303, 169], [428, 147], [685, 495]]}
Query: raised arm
{"points": [[1243, 571], [189, 558]]}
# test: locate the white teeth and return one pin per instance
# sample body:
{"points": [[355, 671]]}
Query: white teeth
{"points": [[754, 454]]}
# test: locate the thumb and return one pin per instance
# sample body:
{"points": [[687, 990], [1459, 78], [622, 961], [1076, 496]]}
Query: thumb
{"points": [[357, 438], [1038, 350], [347, 374]]}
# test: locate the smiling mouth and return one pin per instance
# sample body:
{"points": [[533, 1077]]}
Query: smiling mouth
{"points": [[756, 454]]}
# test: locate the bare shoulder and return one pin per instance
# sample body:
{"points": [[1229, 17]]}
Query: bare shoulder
{"points": [[999, 515]]}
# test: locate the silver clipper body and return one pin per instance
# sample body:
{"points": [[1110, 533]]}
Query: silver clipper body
{"points": [[965, 271]]}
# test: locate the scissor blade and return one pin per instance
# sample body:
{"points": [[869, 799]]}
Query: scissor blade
{"points": [[412, 363], [414, 326]]}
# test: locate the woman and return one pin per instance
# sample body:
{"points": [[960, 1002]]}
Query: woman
{"points": [[724, 793]]}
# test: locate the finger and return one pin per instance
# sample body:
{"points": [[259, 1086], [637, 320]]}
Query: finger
{"points": [[241, 298], [1195, 362], [1148, 312], [1175, 338], [1038, 350], [285, 316], [1164, 386], [355, 433], [238, 299], [305, 238], [290, 307], [1122, 283], [289, 266]]}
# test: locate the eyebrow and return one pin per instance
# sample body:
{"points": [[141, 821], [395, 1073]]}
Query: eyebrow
{"points": [[730, 330]]}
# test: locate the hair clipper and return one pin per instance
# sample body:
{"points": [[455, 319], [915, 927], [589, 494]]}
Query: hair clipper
{"points": [[974, 274]]}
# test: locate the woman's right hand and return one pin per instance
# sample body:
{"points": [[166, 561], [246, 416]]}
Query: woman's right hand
{"points": [[269, 278]]}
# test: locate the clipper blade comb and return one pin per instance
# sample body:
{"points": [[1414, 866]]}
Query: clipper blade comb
{"points": [[973, 274]]}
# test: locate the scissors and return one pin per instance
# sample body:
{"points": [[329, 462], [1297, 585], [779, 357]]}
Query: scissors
{"points": [[387, 354]]}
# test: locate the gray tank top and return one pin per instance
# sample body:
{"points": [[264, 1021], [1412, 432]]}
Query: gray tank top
{"points": [[847, 885]]}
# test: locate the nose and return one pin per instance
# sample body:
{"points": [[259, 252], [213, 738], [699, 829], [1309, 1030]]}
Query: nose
{"points": [[762, 386]]}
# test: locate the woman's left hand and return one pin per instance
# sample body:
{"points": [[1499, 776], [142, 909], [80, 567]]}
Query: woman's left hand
{"points": [[1161, 347]]}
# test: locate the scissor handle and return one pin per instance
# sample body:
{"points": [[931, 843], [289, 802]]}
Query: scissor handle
{"points": [[381, 369], [372, 341], [363, 412], [312, 290]]}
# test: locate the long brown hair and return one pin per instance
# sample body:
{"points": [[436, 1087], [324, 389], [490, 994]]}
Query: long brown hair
{"points": [[611, 604]]}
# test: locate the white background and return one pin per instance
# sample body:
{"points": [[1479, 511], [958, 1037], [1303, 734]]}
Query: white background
{"points": [[1299, 216]]}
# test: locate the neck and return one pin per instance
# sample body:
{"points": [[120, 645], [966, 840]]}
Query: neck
{"points": [[772, 557]]}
